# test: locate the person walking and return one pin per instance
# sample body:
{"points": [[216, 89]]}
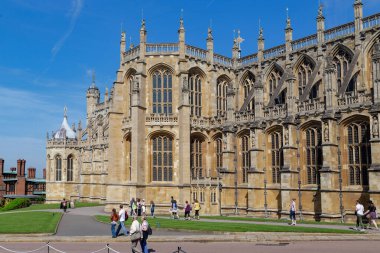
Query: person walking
{"points": [[197, 208], [143, 208], [187, 210], [359, 211], [134, 207], [114, 218], [144, 234], [135, 232], [293, 212], [64, 205], [371, 215], [138, 207], [152, 206], [122, 218], [131, 206]]}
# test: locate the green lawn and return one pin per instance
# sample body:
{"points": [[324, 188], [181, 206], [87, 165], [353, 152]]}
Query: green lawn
{"points": [[56, 206], [29, 222], [228, 227], [271, 220]]}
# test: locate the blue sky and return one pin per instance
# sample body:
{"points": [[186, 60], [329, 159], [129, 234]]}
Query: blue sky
{"points": [[49, 48]]}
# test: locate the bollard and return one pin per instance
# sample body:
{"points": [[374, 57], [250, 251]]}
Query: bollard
{"points": [[108, 248], [48, 246]]}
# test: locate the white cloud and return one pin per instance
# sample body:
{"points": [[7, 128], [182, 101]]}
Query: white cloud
{"points": [[73, 15]]}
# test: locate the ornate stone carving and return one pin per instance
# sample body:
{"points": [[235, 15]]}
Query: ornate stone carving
{"points": [[326, 132], [136, 84], [253, 138], [286, 136], [185, 84], [375, 127]]}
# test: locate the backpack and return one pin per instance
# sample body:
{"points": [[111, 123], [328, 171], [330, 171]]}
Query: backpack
{"points": [[150, 231]]}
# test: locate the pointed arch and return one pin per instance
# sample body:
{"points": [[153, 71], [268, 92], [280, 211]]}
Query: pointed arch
{"points": [[247, 82], [340, 47], [197, 70], [160, 66], [222, 83], [372, 41], [196, 82], [130, 72], [302, 58], [271, 67]]}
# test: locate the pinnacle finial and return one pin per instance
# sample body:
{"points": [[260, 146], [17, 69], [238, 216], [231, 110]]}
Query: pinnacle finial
{"points": [[65, 112], [320, 10], [261, 33], [288, 24], [209, 33], [143, 25], [93, 78], [181, 26]]}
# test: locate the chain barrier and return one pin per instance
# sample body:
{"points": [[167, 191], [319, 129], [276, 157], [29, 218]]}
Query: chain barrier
{"points": [[179, 250], [48, 246]]}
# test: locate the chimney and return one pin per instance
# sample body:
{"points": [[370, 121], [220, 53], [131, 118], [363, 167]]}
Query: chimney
{"points": [[1, 166], [23, 162], [13, 169], [44, 173], [32, 173], [19, 165]]}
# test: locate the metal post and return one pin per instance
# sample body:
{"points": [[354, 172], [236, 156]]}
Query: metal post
{"points": [[340, 183], [108, 249], [265, 194], [235, 165], [48, 246], [299, 176]]}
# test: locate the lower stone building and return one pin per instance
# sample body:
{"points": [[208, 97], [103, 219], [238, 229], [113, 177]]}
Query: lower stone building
{"points": [[243, 135]]}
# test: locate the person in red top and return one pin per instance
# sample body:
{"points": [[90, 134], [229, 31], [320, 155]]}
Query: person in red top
{"points": [[114, 218]]}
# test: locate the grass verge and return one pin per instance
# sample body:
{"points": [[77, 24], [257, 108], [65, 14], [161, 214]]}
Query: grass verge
{"points": [[56, 206], [29, 222], [272, 220], [229, 227]]}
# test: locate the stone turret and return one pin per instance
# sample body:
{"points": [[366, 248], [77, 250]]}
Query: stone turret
{"points": [[142, 39], [288, 39], [93, 96], [260, 45], [122, 47], [181, 39], [210, 46], [320, 25], [358, 12]]}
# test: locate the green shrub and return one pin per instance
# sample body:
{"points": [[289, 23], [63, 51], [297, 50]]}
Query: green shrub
{"points": [[16, 204]]}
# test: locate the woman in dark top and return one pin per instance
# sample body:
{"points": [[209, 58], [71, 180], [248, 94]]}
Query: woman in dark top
{"points": [[371, 214]]}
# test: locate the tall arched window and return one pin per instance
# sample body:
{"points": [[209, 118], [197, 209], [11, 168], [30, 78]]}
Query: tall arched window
{"points": [[196, 158], [70, 167], [276, 156], [221, 96], [219, 153], [246, 157], [313, 154], [58, 168], [130, 88], [247, 87], [195, 83], [162, 162], [162, 92], [359, 153], [341, 61], [274, 80], [303, 74]]}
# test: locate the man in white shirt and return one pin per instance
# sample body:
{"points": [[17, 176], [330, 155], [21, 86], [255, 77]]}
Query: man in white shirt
{"points": [[293, 212], [359, 211], [135, 228], [122, 219]]}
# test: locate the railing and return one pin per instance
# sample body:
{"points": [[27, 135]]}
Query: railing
{"points": [[162, 48], [371, 21], [351, 98], [196, 52], [132, 54], [340, 31], [275, 111], [245, 116], [247, 60], [311, 105], [305, 42], [274, 52], [161, 119], [222, 60]]}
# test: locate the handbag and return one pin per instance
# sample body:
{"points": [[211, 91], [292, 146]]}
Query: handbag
{"points": [[136, 236]]}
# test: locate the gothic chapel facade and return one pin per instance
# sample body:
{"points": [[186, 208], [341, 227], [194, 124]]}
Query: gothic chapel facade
{"points": [[241, 135]]}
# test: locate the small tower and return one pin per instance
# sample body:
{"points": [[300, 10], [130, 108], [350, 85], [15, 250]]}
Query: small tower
{"points": [[320, 25], [210, 46], [260, 45], [358, 11], [122, 47], [142, 39], [93, 96], [288, 37], [181, 38]]}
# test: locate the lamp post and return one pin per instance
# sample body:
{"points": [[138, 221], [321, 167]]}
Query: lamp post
{"points": [[341, 207], [265, 195]]}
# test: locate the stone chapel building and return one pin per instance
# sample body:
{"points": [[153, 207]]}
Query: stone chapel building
{"points": [[242, 135]]}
